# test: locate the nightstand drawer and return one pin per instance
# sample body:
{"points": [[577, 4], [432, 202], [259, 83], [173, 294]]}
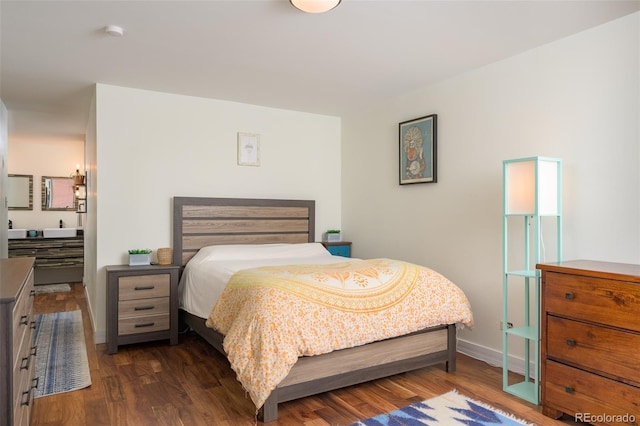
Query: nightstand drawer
{"points": [[144, 324], [605, 350], [604, 301], [143, 307], [344, 251], [144, 286], [342, 248]]}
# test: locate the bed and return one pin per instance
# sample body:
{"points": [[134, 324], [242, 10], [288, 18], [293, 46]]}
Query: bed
{"points": [[204, 223]]}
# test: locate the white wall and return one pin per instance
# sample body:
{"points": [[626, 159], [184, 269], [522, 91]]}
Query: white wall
{"points": [[43, 156], [576, 99], [153, 146], [4, 134], [95, 293]]}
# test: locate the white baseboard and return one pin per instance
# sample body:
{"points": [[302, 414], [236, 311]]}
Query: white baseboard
{"points": [[98, 336], [491, 356]]}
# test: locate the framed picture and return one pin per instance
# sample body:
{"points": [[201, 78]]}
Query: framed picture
{"points": [[418, 141], [248, 149]]}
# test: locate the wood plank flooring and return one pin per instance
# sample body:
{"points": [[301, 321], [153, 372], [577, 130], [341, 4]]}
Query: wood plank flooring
{"points": [[191, 384]]}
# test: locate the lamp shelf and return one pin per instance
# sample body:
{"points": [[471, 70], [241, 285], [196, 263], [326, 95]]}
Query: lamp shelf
{"points": [[527, 332], [532, 190], [525, 390], [524, 273]]}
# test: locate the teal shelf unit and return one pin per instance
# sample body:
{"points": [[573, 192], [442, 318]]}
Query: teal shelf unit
{"points": [[532, 190]]}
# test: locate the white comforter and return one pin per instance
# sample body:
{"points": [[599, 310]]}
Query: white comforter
{"points": [[209, 271]]}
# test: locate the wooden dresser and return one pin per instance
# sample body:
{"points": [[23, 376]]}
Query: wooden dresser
{"points": [[17, 352], [590, 334], [142, 304]]}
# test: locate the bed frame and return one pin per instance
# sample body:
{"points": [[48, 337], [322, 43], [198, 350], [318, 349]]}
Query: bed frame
{"points": [[200, 222]]}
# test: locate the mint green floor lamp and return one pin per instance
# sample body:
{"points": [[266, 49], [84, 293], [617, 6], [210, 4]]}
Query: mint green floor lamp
{"points": [[532, 190]]}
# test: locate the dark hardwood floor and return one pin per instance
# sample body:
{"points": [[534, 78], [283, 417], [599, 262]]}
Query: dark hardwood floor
{"points": [[191, 384]]}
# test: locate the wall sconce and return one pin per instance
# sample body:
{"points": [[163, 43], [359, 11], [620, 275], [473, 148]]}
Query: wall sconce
{"points": [[78, 179], [315, 6]]}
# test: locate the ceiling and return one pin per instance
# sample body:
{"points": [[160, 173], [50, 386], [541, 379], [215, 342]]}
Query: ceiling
{"points": [[261, 52]]}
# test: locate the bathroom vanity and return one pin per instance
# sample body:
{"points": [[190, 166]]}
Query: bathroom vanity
{"points": [[58, 259]]}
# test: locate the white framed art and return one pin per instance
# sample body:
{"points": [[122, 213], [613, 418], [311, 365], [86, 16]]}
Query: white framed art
{"points": [[248, 149]]}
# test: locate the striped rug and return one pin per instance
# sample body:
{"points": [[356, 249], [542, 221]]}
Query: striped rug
{"points": [[61, 357], [451, 408]]}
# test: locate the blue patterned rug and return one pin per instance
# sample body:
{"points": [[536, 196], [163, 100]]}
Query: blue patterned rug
{"points": [[61, 357], [449, 409]]}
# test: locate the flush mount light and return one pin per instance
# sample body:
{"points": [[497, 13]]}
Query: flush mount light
{"points": [[315, 6], [114, 30]]}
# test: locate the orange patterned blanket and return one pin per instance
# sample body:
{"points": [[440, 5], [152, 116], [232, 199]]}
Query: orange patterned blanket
{"points": [[272, 315]]}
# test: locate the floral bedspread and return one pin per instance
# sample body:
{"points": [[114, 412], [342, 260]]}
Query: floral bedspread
{"points": [[272, 315]]}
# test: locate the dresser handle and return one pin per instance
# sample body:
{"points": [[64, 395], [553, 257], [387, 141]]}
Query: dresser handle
{"points": [[35, 382], [568, 295], [568, 389], [571, 342], [143, 308], [24, 319], [33, 325], [25, 365], [145, 324], [32, 292], [148, 287], [25, 393], [34, 351]]}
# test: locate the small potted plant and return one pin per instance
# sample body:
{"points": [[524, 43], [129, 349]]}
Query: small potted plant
{"points": [[331, 236], [139, 257]]}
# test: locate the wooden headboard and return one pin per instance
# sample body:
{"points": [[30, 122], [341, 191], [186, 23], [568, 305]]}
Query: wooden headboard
{"points": [[200, 222]]}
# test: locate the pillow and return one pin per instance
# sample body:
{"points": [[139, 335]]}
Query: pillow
{"points": [[262, 251]]}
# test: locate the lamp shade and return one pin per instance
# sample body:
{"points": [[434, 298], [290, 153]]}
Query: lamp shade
{"points": [[531, 186], [315, 6]]}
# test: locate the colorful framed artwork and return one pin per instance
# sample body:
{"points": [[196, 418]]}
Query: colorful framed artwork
{"points": [[418, 142], [248, 149]]}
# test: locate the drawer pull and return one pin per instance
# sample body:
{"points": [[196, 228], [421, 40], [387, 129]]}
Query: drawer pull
{"points": [[24, 364], [28, 395], [32, 292], [144, 308], [34, 351], [145, 324], [35, 382], [568, 295], [147, 287], [568, 389], [33, 325], [571, 343], [24, 320]]}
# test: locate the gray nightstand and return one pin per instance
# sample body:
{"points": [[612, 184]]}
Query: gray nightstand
{"points": [[142, 304]]}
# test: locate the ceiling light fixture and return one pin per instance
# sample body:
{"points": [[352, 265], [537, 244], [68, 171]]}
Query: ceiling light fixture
{"points": [[315, 6], [114, 30]]}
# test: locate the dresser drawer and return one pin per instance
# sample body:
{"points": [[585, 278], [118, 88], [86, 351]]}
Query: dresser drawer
{"points": [[574, 391], [134, 325], [604, 301], [22, 315], [144, 286], [604, 350], [23, 367], [143, 307]]}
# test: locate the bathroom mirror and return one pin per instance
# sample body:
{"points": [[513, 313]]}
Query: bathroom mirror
{"points": [[20, 192], [57, 193]]}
